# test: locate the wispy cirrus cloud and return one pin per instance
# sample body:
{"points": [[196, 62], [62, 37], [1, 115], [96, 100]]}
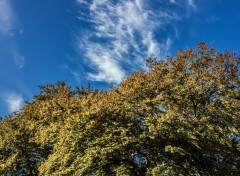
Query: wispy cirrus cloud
{"points": [[8, 19], [173, 1], [191, 4], [18, 59], [122, 34], [10, 26], [13, 100]]}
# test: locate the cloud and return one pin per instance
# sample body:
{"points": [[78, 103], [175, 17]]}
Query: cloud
{"points": [[122, 34], [13, 101], [7, 18], [192, 4], [10, 51], [173, 1], [18, 59], [9, 26]]}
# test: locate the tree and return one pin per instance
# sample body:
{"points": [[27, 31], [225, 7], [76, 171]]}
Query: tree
{"points": [[179, 118]]}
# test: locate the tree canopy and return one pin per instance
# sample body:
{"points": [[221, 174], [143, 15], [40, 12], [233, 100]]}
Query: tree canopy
{"points": [[181, 117]]}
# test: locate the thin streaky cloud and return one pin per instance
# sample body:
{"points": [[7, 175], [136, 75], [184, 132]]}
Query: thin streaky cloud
{"points": [[18, 59], [192, 4], [7, 18], [13, 100], [123, 33], [9, 26], [10, 48], [173, 1]]}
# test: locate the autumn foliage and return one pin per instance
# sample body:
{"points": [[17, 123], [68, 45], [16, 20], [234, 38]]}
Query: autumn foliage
{"points": [[181, 117]]}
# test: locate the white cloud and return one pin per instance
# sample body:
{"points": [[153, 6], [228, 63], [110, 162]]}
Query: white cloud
{"points": [[11, 52], [192, 4], [13, 101], [7, 18], [173, 1], [123, 33], [9, 26], [18, 59], [108, 67]]}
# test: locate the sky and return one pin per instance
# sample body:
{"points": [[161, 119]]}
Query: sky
{"points": [[101, 41]]}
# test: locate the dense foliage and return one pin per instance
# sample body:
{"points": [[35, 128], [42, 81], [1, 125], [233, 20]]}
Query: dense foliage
{"points": [[181, 117]]}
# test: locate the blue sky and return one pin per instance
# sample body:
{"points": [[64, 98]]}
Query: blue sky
{"points": [[101, 41]]}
